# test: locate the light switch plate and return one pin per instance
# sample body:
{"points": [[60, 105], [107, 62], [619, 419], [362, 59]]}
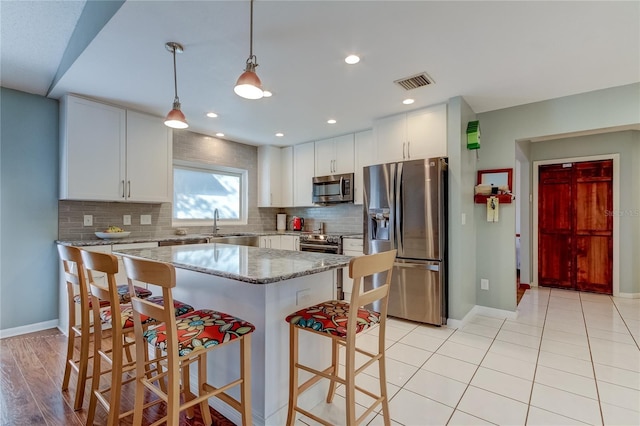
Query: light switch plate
{"points": [[88, 220], [145, 219], [126, 219], [484, 284]]}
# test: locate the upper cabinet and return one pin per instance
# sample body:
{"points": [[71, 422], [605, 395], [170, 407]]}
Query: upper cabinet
{"points": [[269, 176], [334, 156], [286, 155], [364, 156], [110, 154], [303, 172], [411, 136]]}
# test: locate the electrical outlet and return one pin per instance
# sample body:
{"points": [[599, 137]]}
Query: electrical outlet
{"points": [[126, 219], [484, 284], [145, 219], [88, 220]]}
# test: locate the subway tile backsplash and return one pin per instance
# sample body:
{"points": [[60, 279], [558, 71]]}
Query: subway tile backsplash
{"points": [[342, 218]]}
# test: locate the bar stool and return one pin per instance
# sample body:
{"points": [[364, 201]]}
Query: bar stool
{"points": [[80, 322], [184, 340], [121, 336], [341, 321]]}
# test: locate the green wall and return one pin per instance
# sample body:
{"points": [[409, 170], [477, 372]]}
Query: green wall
{"points": [[501, 129], [28, 209]]}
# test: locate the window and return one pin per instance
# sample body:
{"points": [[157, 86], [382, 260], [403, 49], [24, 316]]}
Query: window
{"points": [[199, 189]]}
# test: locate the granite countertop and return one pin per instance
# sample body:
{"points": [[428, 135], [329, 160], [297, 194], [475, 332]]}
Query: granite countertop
{"points": [[134, 239], [248, 264]]}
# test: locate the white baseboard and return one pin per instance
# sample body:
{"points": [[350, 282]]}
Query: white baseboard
{"points": [[628, 295], [484, 311], [25, 329]]}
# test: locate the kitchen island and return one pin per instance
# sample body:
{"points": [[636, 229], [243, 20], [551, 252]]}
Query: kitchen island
{"points": [[262, 286]]}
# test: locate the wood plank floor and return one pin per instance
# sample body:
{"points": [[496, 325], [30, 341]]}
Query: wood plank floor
{"points": [[31, 372]]}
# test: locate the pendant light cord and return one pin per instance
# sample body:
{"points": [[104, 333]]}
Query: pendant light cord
{"points": [[251, 32], [175, 77]]}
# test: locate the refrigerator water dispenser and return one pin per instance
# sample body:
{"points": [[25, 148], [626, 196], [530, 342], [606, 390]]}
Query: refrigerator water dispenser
{"points": [[379, 224]]}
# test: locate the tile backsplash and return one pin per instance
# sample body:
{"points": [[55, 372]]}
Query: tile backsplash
{"points": [[342, 218]]}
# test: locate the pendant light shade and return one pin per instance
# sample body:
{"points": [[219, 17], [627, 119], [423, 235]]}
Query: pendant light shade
{"points": [[175, 119], [249, 85]]}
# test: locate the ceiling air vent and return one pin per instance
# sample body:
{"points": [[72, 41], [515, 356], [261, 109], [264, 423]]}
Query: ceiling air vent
{"points": [[415, 81]]}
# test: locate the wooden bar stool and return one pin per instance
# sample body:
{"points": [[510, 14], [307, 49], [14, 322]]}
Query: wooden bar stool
{"points": [[80, 326], [184, 340], [341, 321], [122, 337]]}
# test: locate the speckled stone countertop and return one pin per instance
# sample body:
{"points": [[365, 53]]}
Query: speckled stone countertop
{"points": [[248, 264], [133, 239]]}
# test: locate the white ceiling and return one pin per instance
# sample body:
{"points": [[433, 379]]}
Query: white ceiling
{"points": [[494, 54]]}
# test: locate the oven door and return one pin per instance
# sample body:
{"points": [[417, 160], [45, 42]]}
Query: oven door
{"points": [[319, 248]]}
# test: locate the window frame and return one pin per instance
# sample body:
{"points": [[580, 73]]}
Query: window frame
{"points": [[212, 168]]}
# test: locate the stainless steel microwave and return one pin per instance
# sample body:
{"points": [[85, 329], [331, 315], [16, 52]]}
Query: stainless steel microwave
{"points": [[333, 189]]}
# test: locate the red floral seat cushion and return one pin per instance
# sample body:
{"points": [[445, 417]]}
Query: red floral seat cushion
{"points": [[200, 330], [126, 311], [331, 317], [123, 293]]}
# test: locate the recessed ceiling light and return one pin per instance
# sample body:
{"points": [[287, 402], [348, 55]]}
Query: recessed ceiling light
{"points": [[331, 121], [352, 59], [267, 94], [279, 134], [408, 101], [220, 135], [212, 115]]}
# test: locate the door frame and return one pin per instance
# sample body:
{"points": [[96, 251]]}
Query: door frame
{"points": [[616, 207]]}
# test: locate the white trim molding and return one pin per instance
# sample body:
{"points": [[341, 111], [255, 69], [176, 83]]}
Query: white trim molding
{"points": [[30, 328]]}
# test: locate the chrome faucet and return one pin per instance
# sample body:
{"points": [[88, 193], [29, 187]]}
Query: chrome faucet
{"points": [[215, 222]]}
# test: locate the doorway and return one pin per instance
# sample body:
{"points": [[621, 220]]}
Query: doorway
{"points": [[575, 226]]}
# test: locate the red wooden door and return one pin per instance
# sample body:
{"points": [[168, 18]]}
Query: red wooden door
{"points": [[575, 233]]}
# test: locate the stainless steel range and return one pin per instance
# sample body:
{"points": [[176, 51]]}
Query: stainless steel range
{"points": [[321, 243], [325, 243]]}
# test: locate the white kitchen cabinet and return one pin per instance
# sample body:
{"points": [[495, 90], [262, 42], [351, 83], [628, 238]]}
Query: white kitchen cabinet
{"points": [[364, 156], [350, 247], [269, 176], [149, 172], [334, 155], [283, 242], [270, 241], [303, 172], [110, 154], [289, 242], [415, 135], [286, 155]]}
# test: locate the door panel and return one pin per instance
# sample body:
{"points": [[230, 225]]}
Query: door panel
{"points": [[415, 292], [555, 217], [575, 241]]}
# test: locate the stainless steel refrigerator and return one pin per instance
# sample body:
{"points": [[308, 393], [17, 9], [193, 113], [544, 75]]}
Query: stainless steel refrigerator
{"points": [[405, 208]]}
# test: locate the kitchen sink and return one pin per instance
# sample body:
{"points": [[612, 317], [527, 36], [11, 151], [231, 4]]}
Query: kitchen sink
{"points": [[241, 239]]}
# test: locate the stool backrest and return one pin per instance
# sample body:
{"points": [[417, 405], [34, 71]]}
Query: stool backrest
{"points": [[363, 266], [74, 275], [155, 274], [107, 264]]}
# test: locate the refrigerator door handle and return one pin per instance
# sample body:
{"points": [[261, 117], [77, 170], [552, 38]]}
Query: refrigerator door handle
{"points": [[434, 268], [399, 200]]}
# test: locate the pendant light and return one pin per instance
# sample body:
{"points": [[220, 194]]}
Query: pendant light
{"points": [[248, 85], [175, 119]]}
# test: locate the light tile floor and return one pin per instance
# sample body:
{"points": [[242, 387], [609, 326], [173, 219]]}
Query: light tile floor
{"points": [[569, 358]]}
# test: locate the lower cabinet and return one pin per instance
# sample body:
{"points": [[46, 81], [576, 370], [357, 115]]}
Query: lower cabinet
{"points": [[350, 247], [284, 242]]}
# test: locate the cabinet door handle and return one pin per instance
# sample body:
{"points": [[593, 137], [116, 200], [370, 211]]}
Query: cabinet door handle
{"points": [[409, 149], [403, 145], [123, 188], [129, 189]]}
